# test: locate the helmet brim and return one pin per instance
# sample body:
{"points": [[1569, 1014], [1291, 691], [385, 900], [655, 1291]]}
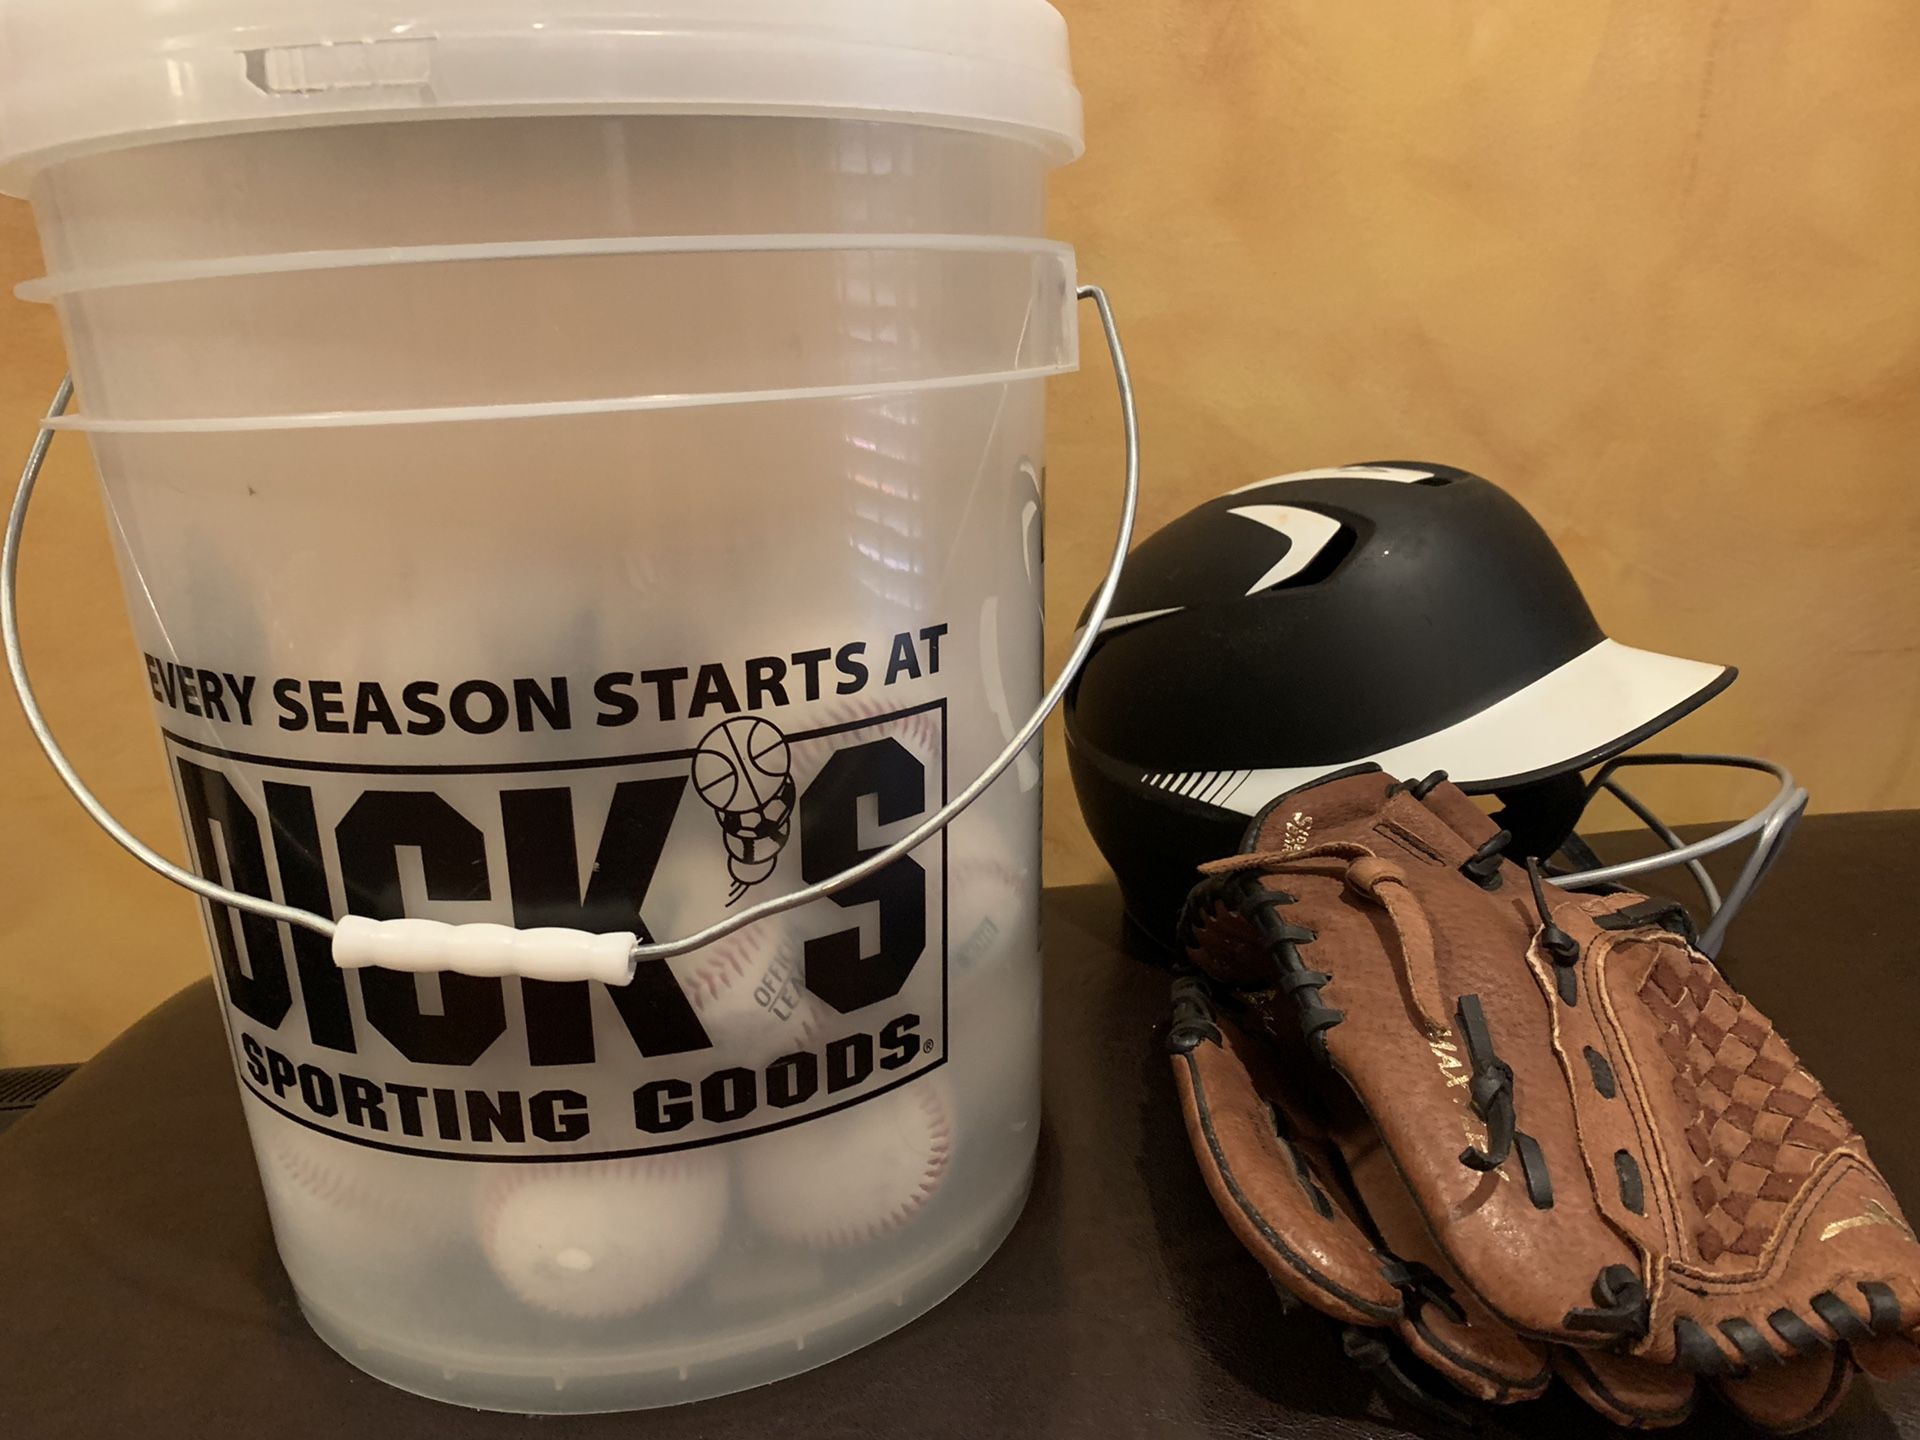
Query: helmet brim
{"points": [[1600, 704]]}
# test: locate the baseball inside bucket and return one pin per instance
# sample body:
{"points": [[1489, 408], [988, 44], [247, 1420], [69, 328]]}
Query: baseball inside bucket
{"points": [[605, 515]]}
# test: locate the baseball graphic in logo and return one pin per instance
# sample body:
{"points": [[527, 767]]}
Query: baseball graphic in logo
{"points": [[743, 769]]}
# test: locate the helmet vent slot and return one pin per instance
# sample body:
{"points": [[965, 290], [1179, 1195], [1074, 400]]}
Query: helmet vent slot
{"points": [[1331, 557]]}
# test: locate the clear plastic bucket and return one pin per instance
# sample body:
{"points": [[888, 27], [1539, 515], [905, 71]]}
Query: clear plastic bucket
{"points": [[602, 523]]}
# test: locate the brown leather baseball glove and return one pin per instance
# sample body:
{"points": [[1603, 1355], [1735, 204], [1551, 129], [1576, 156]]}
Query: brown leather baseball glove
{"points": [[1532, 1132]]}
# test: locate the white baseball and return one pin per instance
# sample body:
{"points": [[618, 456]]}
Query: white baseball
{"points": [[990, 896], [750, 994], [919, 732], [993, 962], [993, 1050], [855, 1176], [333, 1198], [991, 881], [604, 1239]]}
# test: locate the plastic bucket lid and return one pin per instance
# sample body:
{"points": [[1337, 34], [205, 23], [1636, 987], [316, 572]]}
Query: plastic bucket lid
{"points": [[80, 75]]}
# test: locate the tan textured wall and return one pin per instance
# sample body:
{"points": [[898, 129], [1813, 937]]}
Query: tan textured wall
{"points": [[1653, 266]]}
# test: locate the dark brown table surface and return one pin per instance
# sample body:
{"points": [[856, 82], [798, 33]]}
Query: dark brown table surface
{"points": [[140, 1296]]}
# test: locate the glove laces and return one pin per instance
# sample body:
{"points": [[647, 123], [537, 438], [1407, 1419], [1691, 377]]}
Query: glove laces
{"points": [[1415, 955], [1385, 884]]}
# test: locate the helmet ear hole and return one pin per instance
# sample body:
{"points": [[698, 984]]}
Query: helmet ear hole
{"points": [[1331, 557]]}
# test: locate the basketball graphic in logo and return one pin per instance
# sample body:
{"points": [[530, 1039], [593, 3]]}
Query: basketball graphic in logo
{"points": [[744, 771]]}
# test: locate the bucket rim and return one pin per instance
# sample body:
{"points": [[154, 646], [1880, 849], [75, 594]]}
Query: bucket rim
{"points": [[550, 409], [81, 77], [55, 286]]}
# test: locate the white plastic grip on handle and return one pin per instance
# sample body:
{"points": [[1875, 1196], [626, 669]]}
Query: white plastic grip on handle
{"points": [[425, 946], [492, 951]]}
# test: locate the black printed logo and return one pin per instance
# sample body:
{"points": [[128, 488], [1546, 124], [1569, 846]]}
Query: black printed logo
{"points": [[744, 770]]}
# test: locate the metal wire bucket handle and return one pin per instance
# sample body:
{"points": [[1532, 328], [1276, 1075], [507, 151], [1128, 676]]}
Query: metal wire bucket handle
{"points": [[500, 950]]}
